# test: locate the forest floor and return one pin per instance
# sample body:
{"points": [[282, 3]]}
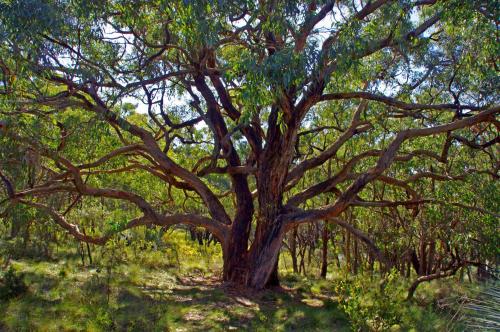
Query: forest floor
{"points": [[71, 297]]}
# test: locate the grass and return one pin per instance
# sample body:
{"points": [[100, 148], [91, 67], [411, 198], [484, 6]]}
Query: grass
{"points": [[177, 288], [64, 296]]}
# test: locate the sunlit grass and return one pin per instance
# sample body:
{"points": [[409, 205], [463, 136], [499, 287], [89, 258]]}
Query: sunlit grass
{"points": [[148, 291], [178, 288]]}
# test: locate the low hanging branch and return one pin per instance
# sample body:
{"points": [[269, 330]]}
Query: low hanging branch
{"points": [[365, 239], [231, 104], [438, 275]]}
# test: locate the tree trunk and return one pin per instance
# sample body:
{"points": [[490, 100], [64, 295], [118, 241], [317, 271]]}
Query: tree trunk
{"points": [[263, 255], [26, 237], [274, 280], [355, 264], [293, 250], [431, 256], [235, 269], [347, 251], [235, 258], [89, 252], [415, 261], [324, 260], [258, 266], [15, 228], [423, 258], [255, 268]]}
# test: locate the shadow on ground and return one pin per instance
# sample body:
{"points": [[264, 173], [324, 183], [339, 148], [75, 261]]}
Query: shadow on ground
{"points": [[87, 300]]}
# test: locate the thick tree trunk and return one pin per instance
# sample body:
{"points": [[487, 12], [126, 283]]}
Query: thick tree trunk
{"points": [[258, 267], [255, 268], [263, 255], [235, 269], [274, 280], [241, 274], [236, 257]]}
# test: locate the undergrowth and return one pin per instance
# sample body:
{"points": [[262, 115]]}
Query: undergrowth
{"points": [[175, 286]]}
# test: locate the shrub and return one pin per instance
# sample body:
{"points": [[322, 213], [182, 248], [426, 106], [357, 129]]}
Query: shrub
{"points": [[103, 319], [482, 312], [379, 305], [370, 308], [12, 284]]}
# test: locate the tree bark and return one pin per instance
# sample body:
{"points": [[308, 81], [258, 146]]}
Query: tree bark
{"points": [[256, 268], [235, 255], [437, 275], [274, 280], [347, 251], [293, 250], [324, 255], [263, 255]]}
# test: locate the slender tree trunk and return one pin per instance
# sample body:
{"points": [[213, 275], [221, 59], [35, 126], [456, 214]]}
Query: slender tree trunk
{"points": [[15, 227], [324, 255], [371, 262], [430, 260], [356, 260], [89, 252], [415, 261], [81, 252], [347, 251], [26, 237], [334, 249], [355, 264], [293, 250], [423, 258], [310, 250], [302, 266]]}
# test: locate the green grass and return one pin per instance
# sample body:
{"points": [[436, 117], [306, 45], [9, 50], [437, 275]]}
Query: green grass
{"points": [[178, 288], [64, 296]]}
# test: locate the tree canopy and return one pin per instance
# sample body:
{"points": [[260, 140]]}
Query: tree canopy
{"points": [[250, 118]]}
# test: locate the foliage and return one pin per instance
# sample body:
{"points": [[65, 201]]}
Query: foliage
{"points": [[480, 310], [374, 304], [334, 138], [370, 308], [12, 284]]}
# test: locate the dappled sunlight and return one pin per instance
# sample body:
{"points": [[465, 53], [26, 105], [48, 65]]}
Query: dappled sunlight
{"points": [[244, 165]]}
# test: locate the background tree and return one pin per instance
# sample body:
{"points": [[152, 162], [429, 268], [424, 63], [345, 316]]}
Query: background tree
{"points": [[244, 105]]}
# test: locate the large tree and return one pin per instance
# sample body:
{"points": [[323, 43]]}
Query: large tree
{"points": [[231, 98]]}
